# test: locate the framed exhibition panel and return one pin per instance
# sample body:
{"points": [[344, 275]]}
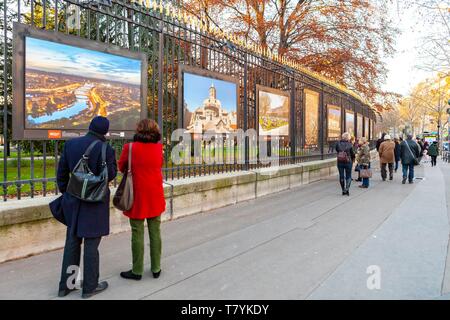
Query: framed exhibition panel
{"points": [[61, 82], [350, 122], [209, 101], [360, 125], [273, 108], [334, 122], [312, 100]]}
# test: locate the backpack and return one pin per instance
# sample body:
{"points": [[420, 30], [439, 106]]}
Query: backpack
{"points": [[342, 156]]}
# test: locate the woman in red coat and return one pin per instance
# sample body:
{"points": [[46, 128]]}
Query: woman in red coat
{"points": [[148, 201]]}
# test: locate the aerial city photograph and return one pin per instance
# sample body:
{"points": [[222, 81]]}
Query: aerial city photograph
{"points": [[66, 86]]}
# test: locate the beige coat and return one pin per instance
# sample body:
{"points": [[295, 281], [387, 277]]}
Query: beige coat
{"points": [[387, 152]]}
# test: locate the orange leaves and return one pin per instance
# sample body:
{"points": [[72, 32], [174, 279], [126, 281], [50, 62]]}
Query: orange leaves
{"points": [[340, 39]]}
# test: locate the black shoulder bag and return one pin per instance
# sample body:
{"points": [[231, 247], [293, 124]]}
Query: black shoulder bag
{"points": [[83, 184], [416, 161]]}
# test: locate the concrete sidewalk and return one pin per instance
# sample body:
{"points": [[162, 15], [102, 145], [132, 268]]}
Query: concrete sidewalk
{"points": [[305, 243]]}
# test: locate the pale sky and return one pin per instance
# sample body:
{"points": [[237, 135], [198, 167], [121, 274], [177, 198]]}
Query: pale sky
{"points": [[403, 67]]}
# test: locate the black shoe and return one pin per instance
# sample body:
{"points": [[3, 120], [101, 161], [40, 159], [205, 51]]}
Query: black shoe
{"points": [[363, 187], [102, 286], [156, 274], [65, 292], [391, 178], [404, 181], [130, 275], [411, 182]]}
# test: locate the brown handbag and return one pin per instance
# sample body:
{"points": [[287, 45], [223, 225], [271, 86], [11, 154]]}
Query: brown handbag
{"points": [[365, 173], [123, 199]]}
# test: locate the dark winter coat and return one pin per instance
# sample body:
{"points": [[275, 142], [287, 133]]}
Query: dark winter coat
{"points": [[346, 146], [380, 141], [421, 148], [84, 219], [406, 156], [397, 151], [433, 150]]}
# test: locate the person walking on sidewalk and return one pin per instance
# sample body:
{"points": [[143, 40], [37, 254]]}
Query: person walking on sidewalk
{"points": [[387, 157], [396, 153], [345, 159], [356, 144], [433, 152], [421, 148], [409, 153], [148, 200], [363, 160], [380, 141], [86, 221]]}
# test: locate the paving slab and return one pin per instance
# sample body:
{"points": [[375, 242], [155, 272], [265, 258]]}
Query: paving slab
{"points": [[405, 257]]}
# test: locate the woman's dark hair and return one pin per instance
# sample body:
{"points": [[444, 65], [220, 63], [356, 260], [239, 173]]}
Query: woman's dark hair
{"points": [[147, 130]]}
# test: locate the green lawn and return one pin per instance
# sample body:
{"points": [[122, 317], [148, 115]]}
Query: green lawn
{"points": [[25, 174], [22, 154]]}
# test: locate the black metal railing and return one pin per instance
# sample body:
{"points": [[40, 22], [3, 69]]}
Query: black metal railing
{"points": [[28, 168]]}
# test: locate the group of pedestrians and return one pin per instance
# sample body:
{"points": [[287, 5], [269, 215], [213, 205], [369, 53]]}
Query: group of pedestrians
{"points": [[391, 152], [87, 222]]}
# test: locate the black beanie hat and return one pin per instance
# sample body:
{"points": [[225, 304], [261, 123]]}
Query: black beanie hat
{"points": [[99, 125]]}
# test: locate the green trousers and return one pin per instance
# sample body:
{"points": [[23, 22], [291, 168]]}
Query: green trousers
{"points": [[137, 244]]}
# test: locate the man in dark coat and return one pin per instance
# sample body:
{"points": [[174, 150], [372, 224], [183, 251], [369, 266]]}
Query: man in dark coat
{"points": [[86, 221], [409, 156], [380, 141], [397, 152], [422, 148]]}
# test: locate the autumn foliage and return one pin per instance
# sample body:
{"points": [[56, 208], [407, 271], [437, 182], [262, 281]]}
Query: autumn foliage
{"points": [[344, 40]]}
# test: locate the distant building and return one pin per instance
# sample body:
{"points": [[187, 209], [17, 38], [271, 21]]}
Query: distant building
{"points": [[211, 117]]}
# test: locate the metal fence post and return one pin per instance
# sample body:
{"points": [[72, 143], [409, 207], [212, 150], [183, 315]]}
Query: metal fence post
{"points": [[321, 121], [5, 98], [160, 78], [246, 167], [292, 120]]}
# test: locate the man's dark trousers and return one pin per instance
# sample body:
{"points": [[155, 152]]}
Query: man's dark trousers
{"points": [[91, 263], [384, 171]]}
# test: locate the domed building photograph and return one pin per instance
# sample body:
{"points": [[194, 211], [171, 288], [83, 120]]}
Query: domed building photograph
{"points": [[209, 104]]}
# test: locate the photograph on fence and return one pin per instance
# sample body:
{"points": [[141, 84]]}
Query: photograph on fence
{"points": [[360, 125], [273, 111], [67, 83], [210, 101], [311, 118], [334, 122], [350, 122]]}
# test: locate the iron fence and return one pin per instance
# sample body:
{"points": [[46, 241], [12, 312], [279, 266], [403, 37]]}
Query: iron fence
{"points": [[29, 167]]}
